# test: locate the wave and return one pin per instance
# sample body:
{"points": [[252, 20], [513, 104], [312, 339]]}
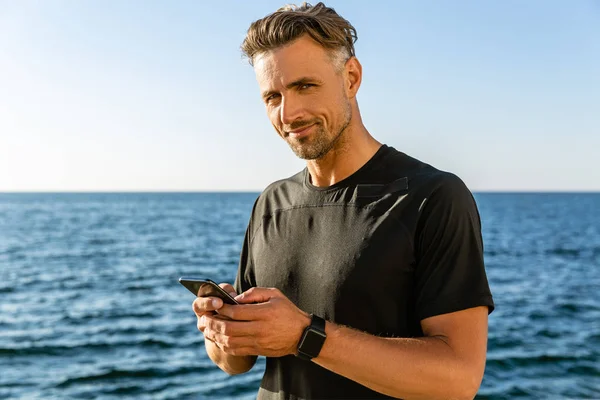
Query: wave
{"points": [[102, 242], [115, 374], [108, 315], [584, 369], [581, 307], [139, 288], [61, 350], [594, 337], [6, 289], [583, 252], [12, 250], [547, 333], [511, 362], [561, 251]]}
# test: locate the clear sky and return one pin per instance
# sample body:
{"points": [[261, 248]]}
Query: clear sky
{"points": [[113, 95]]}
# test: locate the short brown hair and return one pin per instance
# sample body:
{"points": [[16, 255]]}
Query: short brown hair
{"points": [[287, 24]]}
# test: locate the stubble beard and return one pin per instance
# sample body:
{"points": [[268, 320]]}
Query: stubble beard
{"points": [[318, 144]]}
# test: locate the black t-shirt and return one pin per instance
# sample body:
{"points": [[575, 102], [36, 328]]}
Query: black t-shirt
{"points": [[394, 243]]}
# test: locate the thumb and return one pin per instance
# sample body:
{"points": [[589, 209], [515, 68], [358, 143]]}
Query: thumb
{"points": [[258, 295]]}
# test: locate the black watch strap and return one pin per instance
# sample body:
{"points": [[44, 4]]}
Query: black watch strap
{"points": [[312, 338]]}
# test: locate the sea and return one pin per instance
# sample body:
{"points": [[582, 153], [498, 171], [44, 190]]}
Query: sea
{"points": [[91, 307]]}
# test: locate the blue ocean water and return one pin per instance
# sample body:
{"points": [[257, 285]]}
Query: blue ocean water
{"points": [[90, 306]]}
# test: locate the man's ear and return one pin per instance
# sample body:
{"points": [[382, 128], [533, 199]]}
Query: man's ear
{"points": [[352, 76]]}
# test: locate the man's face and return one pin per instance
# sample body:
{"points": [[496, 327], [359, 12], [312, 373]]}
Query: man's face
{"points": [[305, 97]]}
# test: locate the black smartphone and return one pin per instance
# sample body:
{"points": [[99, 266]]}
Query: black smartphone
{"points": [[206, 287]]}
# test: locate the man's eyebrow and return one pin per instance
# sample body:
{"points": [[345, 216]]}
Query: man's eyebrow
{"points": [[298, 82]]}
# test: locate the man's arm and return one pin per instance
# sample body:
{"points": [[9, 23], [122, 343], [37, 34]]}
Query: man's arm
{"points": [[447, 363]]}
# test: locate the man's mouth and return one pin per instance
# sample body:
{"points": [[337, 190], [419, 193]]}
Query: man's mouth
{"points": [[300, 132]]}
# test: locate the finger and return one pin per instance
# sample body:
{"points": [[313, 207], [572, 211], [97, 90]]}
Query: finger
{"points": [[201, 324], [204, 304], [229, 289], [244, 351], [229, 343], [242, 346], [246, 312], [258, 295], [208, 340], [229, 327], [219, 316]]}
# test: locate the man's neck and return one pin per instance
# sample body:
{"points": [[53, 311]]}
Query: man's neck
{"points": [[343, 160]]}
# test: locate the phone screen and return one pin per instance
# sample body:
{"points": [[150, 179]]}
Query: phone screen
{"points": [[205, 288]]}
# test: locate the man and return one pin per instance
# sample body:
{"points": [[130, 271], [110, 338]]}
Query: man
{"points": [[362, 276]]}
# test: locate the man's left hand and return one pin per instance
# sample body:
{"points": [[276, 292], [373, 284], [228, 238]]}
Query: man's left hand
{"points": [[266, 323]]}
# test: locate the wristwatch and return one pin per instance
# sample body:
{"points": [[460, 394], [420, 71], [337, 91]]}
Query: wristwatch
{"points": [[312, 338]]}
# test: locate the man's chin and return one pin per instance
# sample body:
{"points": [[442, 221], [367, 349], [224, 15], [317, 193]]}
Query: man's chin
{"points": [[300, 153], [306, 153], [308, 148]]}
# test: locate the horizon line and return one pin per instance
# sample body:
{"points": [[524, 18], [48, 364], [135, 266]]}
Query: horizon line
{"points": [[167, 191]]}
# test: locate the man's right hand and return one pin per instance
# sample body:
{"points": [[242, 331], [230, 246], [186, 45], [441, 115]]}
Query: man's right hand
{"points": [[228, 363]]}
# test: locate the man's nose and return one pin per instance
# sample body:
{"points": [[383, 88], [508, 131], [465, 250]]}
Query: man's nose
{"points": [[291, 110]]}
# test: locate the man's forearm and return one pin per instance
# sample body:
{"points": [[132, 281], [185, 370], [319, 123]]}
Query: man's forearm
{"points": [[409, 368], [233, 365]]}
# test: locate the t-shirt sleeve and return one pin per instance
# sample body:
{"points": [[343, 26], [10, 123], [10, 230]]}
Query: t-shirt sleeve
{"points": [[450, 272], [244, 279]]}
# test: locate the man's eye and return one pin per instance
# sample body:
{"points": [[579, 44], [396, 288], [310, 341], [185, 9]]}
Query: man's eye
{"points": [[306, 86], [271, 98]]}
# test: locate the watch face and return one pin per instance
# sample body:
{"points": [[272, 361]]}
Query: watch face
{"points": [[312, 342]]}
